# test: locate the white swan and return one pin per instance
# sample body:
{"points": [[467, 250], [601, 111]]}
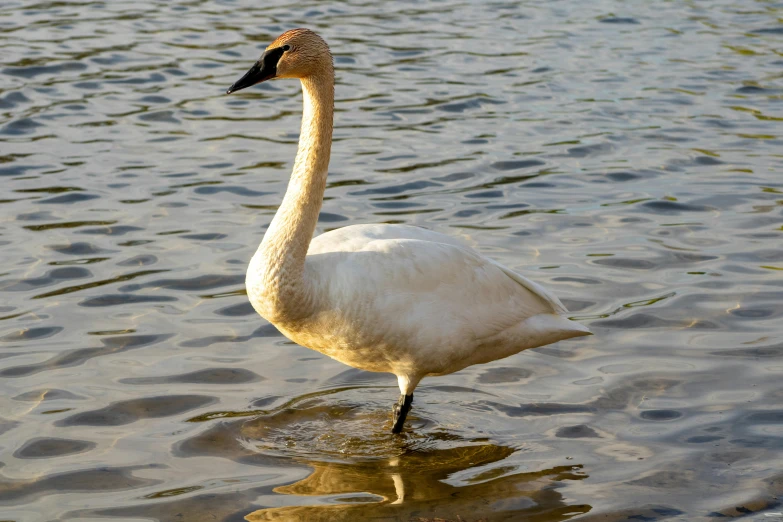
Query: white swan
{"points": [[383, 298]]}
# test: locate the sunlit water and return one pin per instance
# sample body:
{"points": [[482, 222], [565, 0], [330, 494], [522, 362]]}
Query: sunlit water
{"points": [[627, 155]]}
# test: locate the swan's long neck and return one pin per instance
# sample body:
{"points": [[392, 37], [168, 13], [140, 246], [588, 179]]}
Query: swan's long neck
{"points": [[278, 265]]}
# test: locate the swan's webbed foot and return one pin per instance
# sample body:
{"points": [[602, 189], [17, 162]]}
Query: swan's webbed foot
{"points": [[400, 412]]}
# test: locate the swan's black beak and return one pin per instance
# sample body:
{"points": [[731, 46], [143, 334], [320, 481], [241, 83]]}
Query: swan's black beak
{"points": [[264, 69]]}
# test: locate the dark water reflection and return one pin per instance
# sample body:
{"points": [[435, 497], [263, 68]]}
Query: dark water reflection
{"points": [[626, 155]]}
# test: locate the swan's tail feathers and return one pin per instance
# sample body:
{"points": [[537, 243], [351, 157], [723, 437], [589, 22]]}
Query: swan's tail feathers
{"points": [[576, 329], [554, 327]]}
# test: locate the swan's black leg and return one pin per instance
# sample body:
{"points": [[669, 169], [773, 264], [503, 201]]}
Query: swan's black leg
{"points": [[400, 411]]}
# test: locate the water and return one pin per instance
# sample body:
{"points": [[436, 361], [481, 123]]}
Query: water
{"points": [[627, 155]]}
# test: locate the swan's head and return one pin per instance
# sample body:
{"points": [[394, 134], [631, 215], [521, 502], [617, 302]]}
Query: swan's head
{"points": [[298, 53]]}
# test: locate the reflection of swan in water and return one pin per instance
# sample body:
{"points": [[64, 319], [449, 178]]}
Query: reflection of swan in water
{"points": [[355, 473], [374, 489], [383, 298]]}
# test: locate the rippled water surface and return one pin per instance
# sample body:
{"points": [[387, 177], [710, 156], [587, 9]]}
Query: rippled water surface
{"points": [[625, 154]]}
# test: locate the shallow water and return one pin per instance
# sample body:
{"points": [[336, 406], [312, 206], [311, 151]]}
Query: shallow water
{"points": [[625, 154]]}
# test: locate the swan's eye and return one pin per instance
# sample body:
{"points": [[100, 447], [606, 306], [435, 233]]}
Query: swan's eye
{"points": [[286, 47]]}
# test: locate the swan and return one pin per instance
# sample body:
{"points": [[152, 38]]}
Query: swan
{"points": [[383, 298]]}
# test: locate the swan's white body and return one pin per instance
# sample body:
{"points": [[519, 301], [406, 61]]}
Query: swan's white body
{"points": [[412, 302], [383, 298]]}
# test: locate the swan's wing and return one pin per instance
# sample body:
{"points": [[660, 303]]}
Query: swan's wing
{"points": [[356, 237], [425, 286], [540, 291]]}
